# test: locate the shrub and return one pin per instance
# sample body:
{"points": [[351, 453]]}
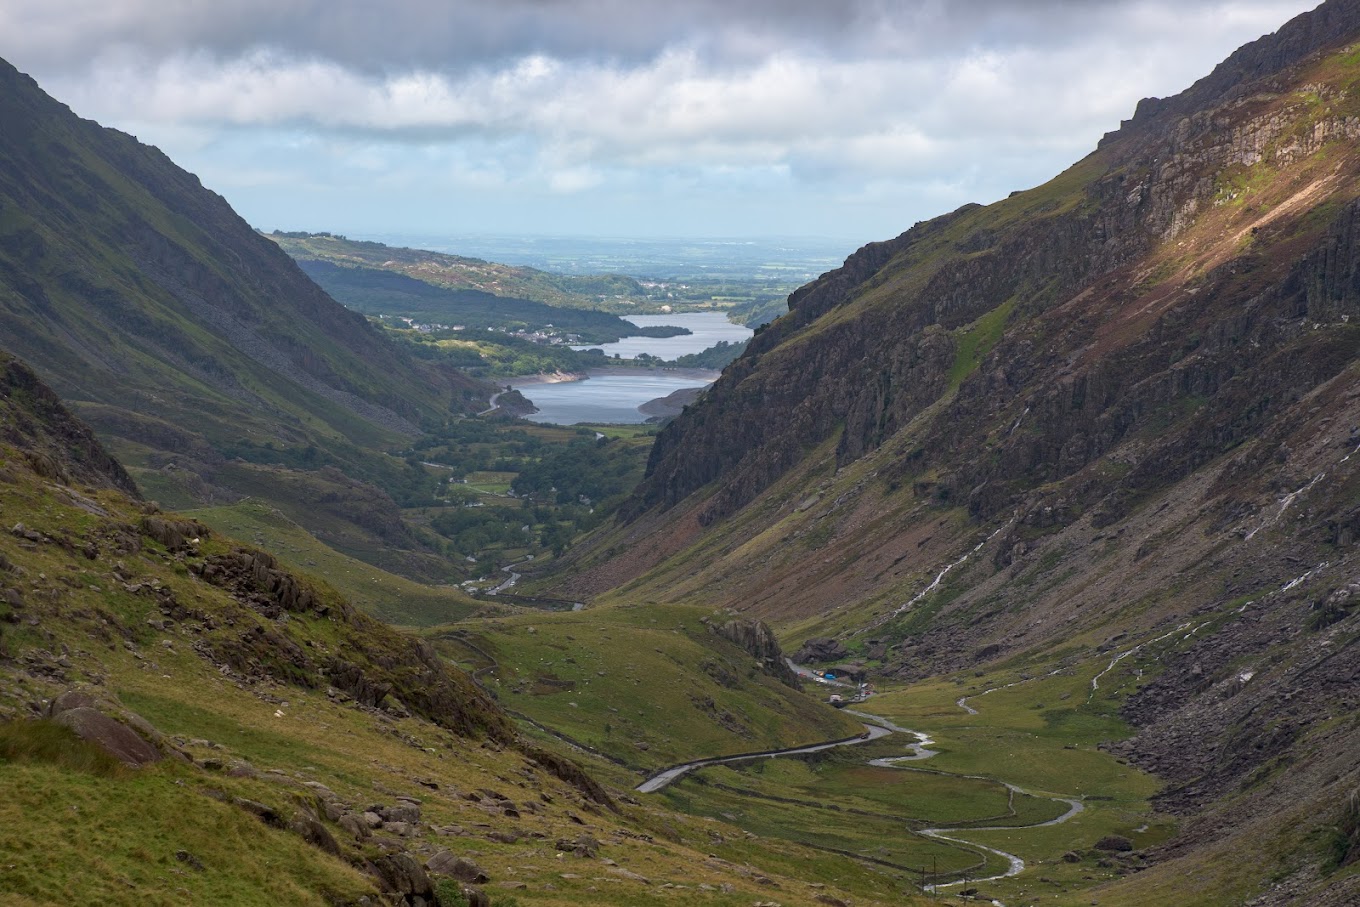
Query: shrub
{"points": [[1117, 843], [450, 893]]}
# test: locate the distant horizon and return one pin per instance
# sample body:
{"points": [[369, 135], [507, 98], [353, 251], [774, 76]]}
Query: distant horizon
{"points": [[635, 256], [368, 235]]}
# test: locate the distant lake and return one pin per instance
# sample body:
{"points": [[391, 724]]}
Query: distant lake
{"points": [[604, 398], [708, 328]]}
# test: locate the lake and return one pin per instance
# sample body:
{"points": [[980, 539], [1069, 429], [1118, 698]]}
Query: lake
{"points": [[605, 397], [614, 397], [708, 328]]}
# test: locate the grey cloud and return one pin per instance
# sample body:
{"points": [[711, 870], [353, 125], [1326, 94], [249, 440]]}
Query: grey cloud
{"points": [[943, 100], [438, 34]]}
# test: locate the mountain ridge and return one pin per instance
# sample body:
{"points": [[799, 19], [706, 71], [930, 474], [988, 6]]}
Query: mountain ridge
{"points": [[198, 349], [1118, 406], [153, 278]]}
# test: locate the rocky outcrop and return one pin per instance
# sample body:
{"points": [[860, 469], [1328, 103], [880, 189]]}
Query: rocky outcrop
{"points": [[59, 447], [116, 739], [862, 377], [821, 650], [174, 533], [108, 727], [758, 640], [402, 876]]}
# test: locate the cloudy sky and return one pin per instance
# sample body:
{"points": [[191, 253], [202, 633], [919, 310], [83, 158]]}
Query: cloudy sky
{"points": [[848, 119]]}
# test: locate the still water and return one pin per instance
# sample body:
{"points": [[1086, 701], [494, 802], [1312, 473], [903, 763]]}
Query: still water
{"points": [[615, 398], [602, 397], [708, 328]]}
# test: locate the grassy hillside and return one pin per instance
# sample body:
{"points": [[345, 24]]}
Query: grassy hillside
{"points": [[646, 686], [460, 273], [285, 747]]}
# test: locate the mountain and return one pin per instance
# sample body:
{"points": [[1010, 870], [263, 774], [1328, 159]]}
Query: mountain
{"points": [[460, 273], [1112, 417], [192, 344], [184, 720], [374, 291]]}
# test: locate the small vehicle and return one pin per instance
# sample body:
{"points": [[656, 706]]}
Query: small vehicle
{"points": [[837, 700]]}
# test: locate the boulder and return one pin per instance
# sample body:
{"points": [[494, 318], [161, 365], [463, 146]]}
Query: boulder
{"points": [[405, 812], [445, 863], [310, 829], [117, 739], [400, 874], [71, 699], [474, 896], [584, 846], [355, 826]]}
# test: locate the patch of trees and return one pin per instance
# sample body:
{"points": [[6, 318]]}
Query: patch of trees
{"points": [[715, 357]]}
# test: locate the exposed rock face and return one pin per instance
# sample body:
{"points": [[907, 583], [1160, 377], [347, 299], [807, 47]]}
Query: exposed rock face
{"points": [[1125, 402], [759, 640], [464, 870], [115, 738], [58, 445], [865, 377], [401, 875], [820, 650]]}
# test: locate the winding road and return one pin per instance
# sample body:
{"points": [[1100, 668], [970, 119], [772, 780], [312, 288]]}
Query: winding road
{"points": [[676, 772], [877, 727]]}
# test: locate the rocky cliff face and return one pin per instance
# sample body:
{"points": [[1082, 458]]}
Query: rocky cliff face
{"points": [[58, 446], [869, 347], [1124, 404], [757, 639]]}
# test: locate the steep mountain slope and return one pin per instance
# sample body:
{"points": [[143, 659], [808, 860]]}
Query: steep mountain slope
{"points": [[139, 290], [184, 721], [1119, 406], [184, 337]]}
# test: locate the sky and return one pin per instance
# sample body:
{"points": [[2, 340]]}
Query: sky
{"points": [[845, 119]]}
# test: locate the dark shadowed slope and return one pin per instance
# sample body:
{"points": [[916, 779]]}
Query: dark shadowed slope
{"points": [[164, 318]]}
